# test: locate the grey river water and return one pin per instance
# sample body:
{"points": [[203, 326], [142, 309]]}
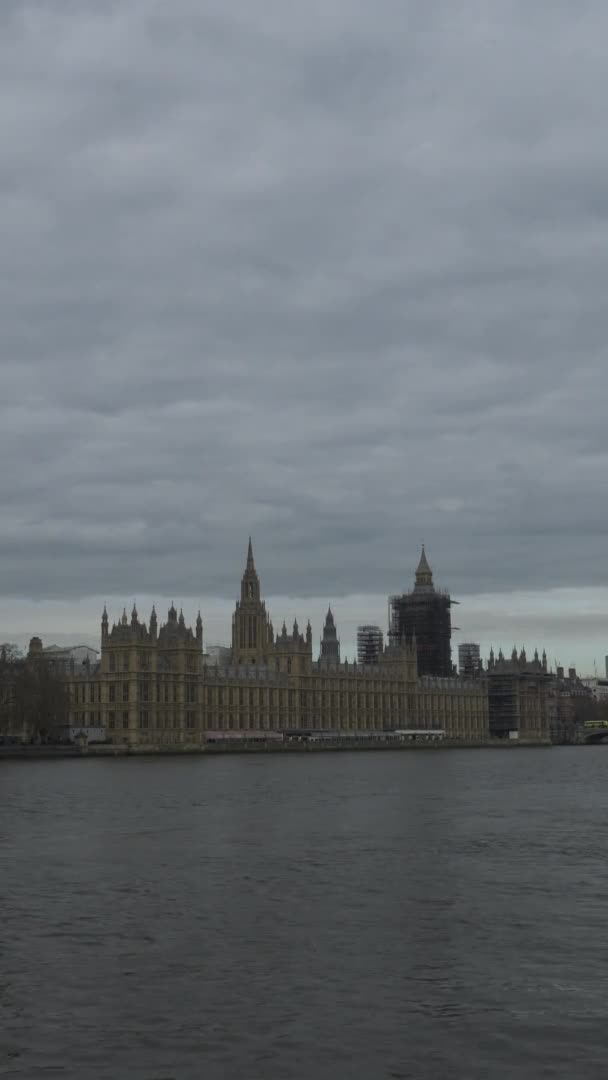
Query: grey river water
{"points": [[434, 914]]}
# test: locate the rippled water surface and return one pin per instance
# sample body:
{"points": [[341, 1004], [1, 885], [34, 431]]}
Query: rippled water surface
{"points": [[439, 914]]}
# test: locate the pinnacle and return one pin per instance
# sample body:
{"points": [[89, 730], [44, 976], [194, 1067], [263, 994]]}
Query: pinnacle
{"points": [[250, 562]]}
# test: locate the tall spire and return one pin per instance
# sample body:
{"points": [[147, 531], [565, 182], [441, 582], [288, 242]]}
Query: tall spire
{"points": [[250, 582], [250, 562], [250, 622]]}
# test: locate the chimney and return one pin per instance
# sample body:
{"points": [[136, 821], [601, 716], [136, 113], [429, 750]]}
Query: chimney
{"points": [[572, 673], [560, 672]]}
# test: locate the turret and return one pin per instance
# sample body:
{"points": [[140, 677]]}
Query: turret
{"points": [[199, 630], [134, 619], [153, 623], [330, 645], [104, 624], [35, 647]]}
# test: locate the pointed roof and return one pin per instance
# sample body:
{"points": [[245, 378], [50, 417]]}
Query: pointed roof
{"points": [[329, 618], [424, 574], [423, 565], [250, 568]]}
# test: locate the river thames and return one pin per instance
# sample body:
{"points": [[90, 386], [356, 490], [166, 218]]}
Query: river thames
{"points": [[435, 915]]}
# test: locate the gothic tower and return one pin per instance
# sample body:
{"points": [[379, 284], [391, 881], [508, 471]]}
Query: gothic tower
{"points": [[330, 643], [250, 623], [425, 613]]}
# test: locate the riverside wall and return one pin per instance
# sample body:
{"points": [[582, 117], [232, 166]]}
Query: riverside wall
{"points": [[32, 753]]}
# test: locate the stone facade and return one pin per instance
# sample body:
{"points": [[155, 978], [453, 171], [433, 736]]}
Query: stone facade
{"points": [[518, 695], [459, 706], [152, 686]]}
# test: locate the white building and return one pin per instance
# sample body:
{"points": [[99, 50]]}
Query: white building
{"points": [[598, 687]]}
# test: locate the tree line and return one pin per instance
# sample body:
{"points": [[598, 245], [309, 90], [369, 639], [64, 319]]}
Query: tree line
{"points": [[34, 698]]}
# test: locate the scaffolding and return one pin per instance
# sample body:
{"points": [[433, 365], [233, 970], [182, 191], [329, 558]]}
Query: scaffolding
{"points": [[370, 644], [425, 615]]}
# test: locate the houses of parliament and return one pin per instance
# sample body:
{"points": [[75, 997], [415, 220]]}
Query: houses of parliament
{"points": [[155, 685]]}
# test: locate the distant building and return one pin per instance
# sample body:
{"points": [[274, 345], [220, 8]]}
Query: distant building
{"points": [[598, 688], [370, 644], [469, 662], [570, 703], [423, 615], [66, 658], [219, 655]]}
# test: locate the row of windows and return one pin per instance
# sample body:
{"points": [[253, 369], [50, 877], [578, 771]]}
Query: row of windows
{"points": [[165, 721], [93, 718], [115, 721], [243, 722], [248, 635], [145, 692], [114, 660], [122, 661], [85, 692], [329, 699], [124, 693]]}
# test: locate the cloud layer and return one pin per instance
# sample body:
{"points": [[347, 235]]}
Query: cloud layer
{"points": [[333, 274]]}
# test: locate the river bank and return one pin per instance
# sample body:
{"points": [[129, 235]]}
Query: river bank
{"points": [[107, 750]]}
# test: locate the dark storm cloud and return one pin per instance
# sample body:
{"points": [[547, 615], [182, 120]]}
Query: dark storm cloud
{"points": [[331, 274]]}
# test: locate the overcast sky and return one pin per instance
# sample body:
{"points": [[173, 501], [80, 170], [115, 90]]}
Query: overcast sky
{"points": [[331, 273]]}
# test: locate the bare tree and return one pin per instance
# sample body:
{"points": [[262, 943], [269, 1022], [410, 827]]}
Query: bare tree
{"points": [[9, 652], [34, 698]]}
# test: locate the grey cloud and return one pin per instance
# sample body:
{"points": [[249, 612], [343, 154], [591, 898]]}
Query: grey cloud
{"points": [[331, 274]]}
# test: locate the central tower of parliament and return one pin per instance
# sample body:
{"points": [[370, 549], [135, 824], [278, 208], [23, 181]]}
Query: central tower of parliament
{"points": [[155, 686]]}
